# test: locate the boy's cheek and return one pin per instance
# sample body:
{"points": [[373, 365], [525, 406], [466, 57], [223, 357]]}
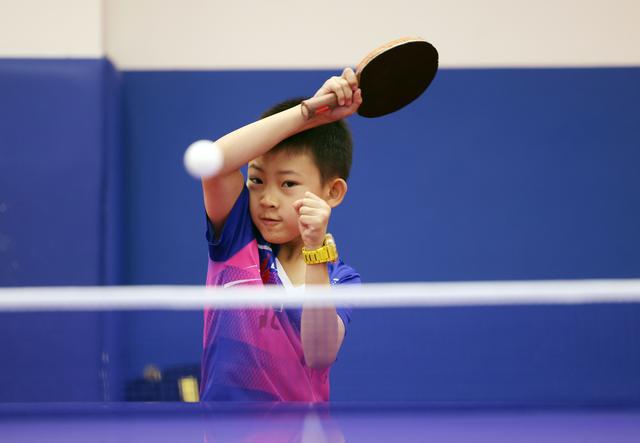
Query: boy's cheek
{"points": [[300, 190]]}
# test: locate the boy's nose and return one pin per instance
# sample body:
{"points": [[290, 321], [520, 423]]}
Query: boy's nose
{"points": [[267, 201]]}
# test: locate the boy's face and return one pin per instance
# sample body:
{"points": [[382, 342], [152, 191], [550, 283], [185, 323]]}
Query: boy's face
{"points": [[275, 182]]}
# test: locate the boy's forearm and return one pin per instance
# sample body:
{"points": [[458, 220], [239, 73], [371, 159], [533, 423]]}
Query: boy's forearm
{"points": [[319, 326], [257, 138], [319, 334]]}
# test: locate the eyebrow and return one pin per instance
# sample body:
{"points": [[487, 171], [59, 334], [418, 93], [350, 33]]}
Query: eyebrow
{"points": [[283, 172], [287, 171]]}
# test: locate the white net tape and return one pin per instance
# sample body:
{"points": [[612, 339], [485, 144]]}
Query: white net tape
{"points": [[366, 295]]}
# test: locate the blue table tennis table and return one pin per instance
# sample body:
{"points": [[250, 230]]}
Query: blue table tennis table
{"points": [[337, 422]]}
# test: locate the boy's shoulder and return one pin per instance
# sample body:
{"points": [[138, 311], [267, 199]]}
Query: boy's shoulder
{"points": [[237, 230]]}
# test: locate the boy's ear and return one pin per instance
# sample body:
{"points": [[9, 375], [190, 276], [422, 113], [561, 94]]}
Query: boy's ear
{"points": [[336, 190]]}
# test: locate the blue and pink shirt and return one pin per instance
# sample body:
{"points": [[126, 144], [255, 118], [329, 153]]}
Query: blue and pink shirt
{"points": [[256, 354]]}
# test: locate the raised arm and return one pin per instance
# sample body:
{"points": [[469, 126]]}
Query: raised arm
{"points": [[238, 148], [251, 141]]}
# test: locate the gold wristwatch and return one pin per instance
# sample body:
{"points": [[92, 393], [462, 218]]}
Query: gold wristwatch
{"points": [[326, 253]]}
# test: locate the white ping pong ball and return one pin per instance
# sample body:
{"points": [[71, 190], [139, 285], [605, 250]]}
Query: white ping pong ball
{"points": [[203, 159]]}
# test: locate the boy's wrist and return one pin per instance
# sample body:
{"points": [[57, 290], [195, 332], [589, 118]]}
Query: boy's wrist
{"points": [[326, 252], [313, 246], [310, 245]]}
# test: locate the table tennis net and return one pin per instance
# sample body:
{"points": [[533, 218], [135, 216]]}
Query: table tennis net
{"points": [[430, 341]]}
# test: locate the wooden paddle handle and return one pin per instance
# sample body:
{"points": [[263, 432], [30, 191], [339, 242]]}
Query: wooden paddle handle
{"points": [[317, 105]]}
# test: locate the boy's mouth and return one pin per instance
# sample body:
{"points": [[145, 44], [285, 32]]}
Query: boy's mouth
{"points": [[270, 221]]}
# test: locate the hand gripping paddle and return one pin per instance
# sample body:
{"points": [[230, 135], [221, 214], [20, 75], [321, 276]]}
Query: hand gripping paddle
{"points": [[390, 77]]}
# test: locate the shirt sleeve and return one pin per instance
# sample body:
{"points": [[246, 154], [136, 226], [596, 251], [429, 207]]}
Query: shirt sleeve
{"points": [[341, 274], [236, 233]]}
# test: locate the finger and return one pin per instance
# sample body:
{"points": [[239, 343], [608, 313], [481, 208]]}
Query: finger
{"points": [[326, 88], [314, 203], [356, 102], [336, 87], [297, 204], [311, 196], [351, 78], [357, 96], [346, 89], [311, 220], [307, 210]]}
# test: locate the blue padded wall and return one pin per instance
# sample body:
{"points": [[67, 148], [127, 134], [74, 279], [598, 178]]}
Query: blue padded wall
{"points": [[60, 223], [523, 355], [493, 174], [53, 172]]}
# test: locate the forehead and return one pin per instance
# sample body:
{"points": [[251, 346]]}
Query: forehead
{"points": [[300, 162]]}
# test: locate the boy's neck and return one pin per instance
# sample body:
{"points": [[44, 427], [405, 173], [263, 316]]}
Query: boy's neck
{"points": [[290, 257], [291, 252]]}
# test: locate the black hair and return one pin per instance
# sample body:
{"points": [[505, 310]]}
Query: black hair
{"points": [[330, 145]]}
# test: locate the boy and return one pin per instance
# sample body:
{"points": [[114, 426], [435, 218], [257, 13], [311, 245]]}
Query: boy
{"points": [[274, 231]]}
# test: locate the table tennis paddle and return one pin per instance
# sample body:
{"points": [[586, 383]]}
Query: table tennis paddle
{"points": [[390, 77]]}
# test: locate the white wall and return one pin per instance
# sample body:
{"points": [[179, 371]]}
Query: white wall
{"points": [[164, 34], [51, 28], [259, 34]]}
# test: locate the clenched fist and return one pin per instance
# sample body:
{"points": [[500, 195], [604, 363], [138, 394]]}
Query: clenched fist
{"points": [[313, 219]]}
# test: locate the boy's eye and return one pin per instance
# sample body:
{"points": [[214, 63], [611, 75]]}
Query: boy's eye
{"points": [[255, 180], [288, 184]]}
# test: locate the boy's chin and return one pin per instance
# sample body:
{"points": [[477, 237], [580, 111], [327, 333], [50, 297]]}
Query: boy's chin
{"points": [[278, 238]]}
